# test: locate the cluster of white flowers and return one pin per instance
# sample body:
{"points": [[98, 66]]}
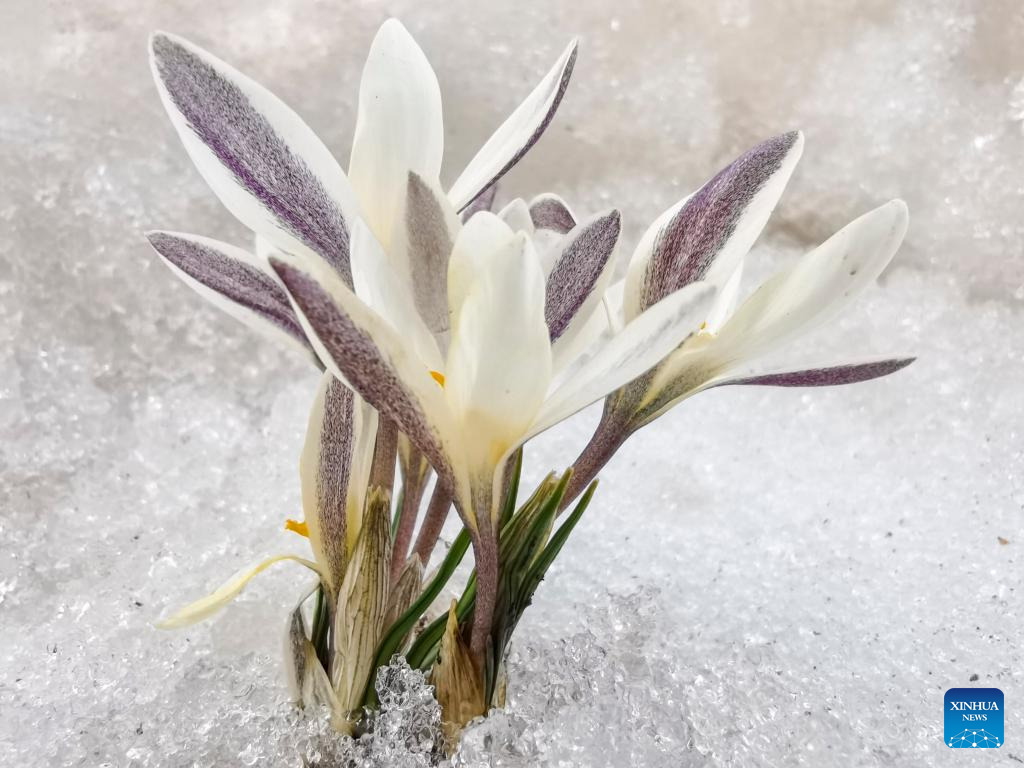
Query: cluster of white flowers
{"points": [[450, 335]]}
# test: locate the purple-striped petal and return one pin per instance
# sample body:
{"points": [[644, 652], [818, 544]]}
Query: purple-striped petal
{"points": [[715, 227], [517, 134], [852, 373], [325, 468], [429, 239], [229, 278], [262, 161], [351, 339], [398, 128], [483, 202], [585, 257], [551, 212]]}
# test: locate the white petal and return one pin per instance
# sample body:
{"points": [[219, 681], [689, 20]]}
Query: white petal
{"points": [[365, 431], [482, 235], [641, 345], [421, 248], [613, 301], [818, 286], [362, 349], [550, 212], [499, 364], [264, 250], [633, 285], [382, 289], [263, 162], [225, 593], [584, 332], [725, 302], [717, 225], [235, 281], [399, 128], [581, 272], [329, 476], [516, 135], [823, 375], [517, 215]]}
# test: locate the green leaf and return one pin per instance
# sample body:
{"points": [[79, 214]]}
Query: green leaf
{"points": [[509, 505], [547, 557], [393, 637], [425, 649]]}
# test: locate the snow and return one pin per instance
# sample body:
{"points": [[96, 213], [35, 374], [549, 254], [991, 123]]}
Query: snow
{"points": [[765, 578]]}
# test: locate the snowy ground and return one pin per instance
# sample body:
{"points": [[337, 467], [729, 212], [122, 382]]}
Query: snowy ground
{"points": [[767, 578]]}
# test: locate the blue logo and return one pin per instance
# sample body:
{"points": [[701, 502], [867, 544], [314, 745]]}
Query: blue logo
{"points": [[974, 718]]}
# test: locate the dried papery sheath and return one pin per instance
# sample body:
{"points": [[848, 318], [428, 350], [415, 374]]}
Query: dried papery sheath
{"points": [[456, 681], [362, 608]]}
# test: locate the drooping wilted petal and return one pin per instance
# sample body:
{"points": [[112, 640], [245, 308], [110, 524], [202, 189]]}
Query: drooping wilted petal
{"points": [[227, 592], [362, 605], [705, 237], [430, 226], [580, 272], [819, 286], [831, 376], [324, 469], [259, 157], [551, 212], [483, 202], [516, 135], [399, 128], [233, 280], [363, 350], [642, 344]]}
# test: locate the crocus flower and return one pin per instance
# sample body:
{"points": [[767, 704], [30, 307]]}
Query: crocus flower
{"points": [[470, 409], [706, 237], [272, 172]]}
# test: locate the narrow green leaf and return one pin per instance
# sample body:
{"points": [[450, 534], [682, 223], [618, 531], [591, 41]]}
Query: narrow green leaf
{"points": [[396, 517], [509, 506], [392, 640], [524, 546], [424, 650], [543, 562]]}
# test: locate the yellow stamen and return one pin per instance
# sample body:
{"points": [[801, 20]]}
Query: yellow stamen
{"points": [[300, 528], [704, 325], [438, 377]]}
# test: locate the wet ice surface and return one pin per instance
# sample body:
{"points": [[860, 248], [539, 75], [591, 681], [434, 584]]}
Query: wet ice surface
{"points": [[766, 578]]}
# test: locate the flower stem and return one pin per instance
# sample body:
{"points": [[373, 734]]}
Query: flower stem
{"points": [[607, 439], [485, 552], [382, 471], [412, 494], [433, 522]]}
